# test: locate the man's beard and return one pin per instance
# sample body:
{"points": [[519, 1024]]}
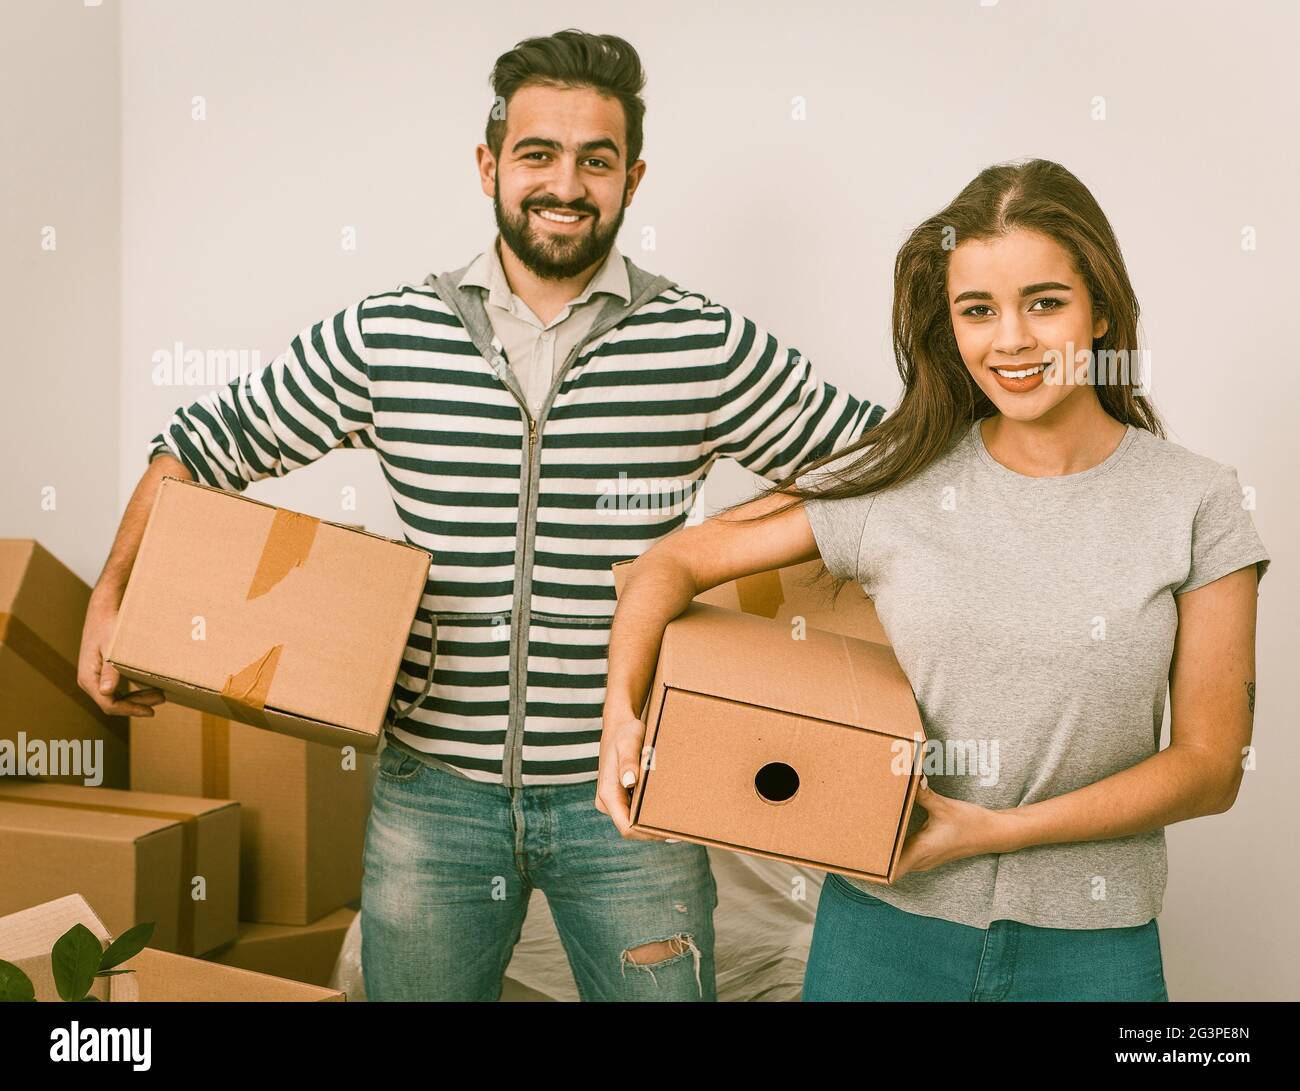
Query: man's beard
{"points": [[552, 257]]}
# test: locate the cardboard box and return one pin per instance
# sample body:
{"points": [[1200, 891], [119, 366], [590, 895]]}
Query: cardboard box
{"points": [[27, 937], [268, 616], [792, 594], [302, 814], [46, 719], [801, 749], [135, 853], [304, 952]]}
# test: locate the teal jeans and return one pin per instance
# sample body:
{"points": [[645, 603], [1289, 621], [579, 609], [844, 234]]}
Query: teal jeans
{"points": [[449, 867], [866, 949]]}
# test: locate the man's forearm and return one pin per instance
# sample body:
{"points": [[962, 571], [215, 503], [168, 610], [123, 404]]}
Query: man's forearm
{"points": [[121, 558]]}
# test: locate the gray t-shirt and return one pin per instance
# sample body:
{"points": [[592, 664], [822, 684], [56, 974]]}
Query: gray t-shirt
{"points": [[1035, 619]]}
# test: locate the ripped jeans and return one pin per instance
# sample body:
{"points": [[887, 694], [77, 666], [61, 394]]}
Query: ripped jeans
{"points": [[449, 867]]}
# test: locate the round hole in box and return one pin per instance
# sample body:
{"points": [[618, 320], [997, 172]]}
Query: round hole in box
{"points": [[776, 782]]}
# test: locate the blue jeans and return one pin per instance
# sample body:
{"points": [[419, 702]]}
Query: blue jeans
{"points": [[450, 864], [866, 949]]}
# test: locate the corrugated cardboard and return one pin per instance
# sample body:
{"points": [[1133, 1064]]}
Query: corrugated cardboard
{"points": [[303, 815], [302, 622], [781, 742], [134, 853], [170, 978], [42, 611], [27, 937], [305, 952]]}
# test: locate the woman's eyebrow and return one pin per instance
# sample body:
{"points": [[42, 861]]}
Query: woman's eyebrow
{"points": [[1029, 289]]}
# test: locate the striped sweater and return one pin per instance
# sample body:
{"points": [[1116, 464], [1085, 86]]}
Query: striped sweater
{"points": [[523, 516]]}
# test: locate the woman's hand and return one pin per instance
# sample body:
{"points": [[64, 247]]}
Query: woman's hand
{"points": [[620, 766], [954, 830]]}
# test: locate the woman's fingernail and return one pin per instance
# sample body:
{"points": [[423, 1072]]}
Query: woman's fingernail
{"points": [[629, 779]]}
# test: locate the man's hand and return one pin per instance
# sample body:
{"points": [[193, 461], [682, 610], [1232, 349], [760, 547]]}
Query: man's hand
{"points": [[620, 766], [94, 675], [97, 677]]}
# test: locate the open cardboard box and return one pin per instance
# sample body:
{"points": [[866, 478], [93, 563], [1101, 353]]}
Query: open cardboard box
{"points": [[779, 739], [268, 616], [27, 937]]}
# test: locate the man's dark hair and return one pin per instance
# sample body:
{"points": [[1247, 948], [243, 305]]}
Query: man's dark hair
{"points": [[572, 58]]}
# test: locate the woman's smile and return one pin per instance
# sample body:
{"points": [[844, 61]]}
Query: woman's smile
{"points": [[1019, 380]]}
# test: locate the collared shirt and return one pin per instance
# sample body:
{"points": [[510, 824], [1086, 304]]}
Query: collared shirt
{"points": [[533, 348]]}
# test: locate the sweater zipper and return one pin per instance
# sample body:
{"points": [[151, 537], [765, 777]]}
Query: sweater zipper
{"points": [[521, 604], [512, 773], [521, 622]]}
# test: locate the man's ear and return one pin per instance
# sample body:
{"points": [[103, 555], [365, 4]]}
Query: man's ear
{"points": [[634, 175], [487, 169]]}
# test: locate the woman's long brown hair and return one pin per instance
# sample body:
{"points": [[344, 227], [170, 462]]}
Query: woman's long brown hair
{"points": [[940, 398]]}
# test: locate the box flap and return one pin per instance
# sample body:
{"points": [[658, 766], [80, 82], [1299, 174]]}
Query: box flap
{"points": [[119, 800], [740, 657], [789, 593], [33, 931], [166, 977], [28, 936]]}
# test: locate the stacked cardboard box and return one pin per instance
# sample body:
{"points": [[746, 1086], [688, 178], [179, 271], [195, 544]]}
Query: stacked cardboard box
{"points": [[141, 856], [770, 736], [305, 952], [27, 938], [304, 805], [301, 626], [49, 727], [277, 638]]}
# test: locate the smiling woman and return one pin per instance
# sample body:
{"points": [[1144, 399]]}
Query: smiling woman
{"points": [[1045, 565]]}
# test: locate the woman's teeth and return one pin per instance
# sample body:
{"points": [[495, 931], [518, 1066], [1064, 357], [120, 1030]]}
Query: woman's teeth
{"points": [[1023, 374]]}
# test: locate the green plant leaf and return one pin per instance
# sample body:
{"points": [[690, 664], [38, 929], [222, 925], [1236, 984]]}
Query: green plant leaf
{"points": [[14, 984], [88, 999], [129, 944], [113, 973], [74, 960]]}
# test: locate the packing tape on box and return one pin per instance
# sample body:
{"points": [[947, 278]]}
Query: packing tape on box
{"points": [[189, 824], [288, 544], [245, 693], [215, 760], [56, 670], [760, 593]]}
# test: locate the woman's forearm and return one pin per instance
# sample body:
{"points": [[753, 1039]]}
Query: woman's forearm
{"points": [[658, 588], [1170, 786]]}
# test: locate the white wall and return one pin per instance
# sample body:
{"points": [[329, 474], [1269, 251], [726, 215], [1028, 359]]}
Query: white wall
{"points": [[60, 279], [334, 114]]}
